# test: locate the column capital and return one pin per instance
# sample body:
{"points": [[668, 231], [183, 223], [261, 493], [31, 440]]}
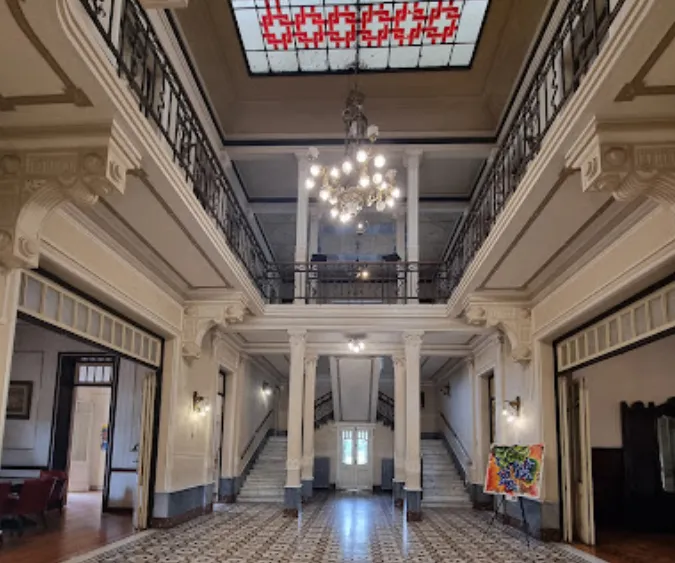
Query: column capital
{"points": [[297, 337], [200, 317], [413, 157], [512, 319], [413, 338], [311, 361], [40, 171], [628, 160], [399, 360]]}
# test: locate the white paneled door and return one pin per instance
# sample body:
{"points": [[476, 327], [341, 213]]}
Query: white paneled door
{"points": [[355, 453], [80, 450]]}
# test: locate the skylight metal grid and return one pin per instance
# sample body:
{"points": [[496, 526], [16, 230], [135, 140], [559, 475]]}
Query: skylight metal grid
{"points": [[322, 36]]}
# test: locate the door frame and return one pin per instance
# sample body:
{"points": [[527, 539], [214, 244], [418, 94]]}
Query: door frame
{"points": [[370, 427]]}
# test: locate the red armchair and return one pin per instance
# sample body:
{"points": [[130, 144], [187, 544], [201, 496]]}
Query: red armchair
{"points": [[5, 490], [32, 501]]}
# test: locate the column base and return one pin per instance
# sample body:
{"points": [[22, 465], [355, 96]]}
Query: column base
{"points": [[398, 493], [307, 488], [227, 490], [413, 505], [292, 501]]}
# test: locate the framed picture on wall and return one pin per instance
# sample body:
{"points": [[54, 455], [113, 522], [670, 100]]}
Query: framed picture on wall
{"points": [[19, 400]]}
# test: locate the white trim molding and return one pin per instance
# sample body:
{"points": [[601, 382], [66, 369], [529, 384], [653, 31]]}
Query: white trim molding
{"points": [[201, 316], [628, 160], [512, 319], [40, 170]]}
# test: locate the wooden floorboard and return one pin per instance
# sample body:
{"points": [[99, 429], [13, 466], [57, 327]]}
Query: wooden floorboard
{"points": [[628, 547], [81, 528]]}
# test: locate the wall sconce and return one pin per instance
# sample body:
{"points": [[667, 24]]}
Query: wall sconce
{"points": [[445, 390], [511, 409], [199, 404], [266, 389]]}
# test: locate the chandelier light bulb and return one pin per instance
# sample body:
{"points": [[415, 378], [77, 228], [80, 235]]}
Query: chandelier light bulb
{"points": [[310, 183], [380, 205], [396, 193], [379, 161], [315, 170], [377, 178], [324, 195], [361, 156], [334, 212], [345, 217], [390, 201], [364, 181], [335, 173], [365, 274], [347, 166], [383, 186], [333, 200]]}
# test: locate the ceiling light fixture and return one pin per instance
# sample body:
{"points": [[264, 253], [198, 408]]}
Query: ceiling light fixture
{"points": [[361, 180], [356, 345]]}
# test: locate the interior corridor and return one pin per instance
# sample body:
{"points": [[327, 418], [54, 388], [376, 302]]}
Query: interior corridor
{"points": [[337, 528]]}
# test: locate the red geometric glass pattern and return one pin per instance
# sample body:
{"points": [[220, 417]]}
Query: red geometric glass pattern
{"points": [[281, 36]]}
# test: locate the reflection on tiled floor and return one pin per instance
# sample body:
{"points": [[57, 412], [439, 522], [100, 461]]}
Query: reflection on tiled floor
{"points": [[335, 529]]}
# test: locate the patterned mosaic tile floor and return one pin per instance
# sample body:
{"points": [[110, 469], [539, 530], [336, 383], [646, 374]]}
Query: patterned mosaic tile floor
{"points": [[335, 529]]}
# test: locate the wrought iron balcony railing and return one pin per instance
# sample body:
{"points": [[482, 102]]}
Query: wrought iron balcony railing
{"points": [[573, 47], [142, 62], [358, 282]]}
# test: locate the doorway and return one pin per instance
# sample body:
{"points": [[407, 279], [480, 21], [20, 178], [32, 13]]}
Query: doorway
{"points": [[355, 468], [218, 430], [89, 439]]}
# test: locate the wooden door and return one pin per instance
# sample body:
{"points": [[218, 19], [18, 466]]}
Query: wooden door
{"points": [[80, 450]]}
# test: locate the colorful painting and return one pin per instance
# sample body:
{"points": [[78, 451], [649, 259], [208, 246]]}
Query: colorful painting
{"points": [[515, 471]]}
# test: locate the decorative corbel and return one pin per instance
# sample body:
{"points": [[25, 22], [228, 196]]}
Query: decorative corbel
{"points": [[628, 160], [513, 320], [201, 316], [42, 173]]}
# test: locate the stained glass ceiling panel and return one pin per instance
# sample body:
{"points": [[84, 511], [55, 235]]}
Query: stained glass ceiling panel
{"points": [[324, 36]]}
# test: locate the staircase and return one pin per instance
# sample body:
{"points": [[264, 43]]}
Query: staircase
{"points": [[441, 482], [266, 481]]}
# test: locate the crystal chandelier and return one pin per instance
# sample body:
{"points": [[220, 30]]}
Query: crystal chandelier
{"points": [[361, 179]]}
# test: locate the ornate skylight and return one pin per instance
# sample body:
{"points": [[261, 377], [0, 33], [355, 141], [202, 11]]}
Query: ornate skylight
{"points": [[320, 36]]}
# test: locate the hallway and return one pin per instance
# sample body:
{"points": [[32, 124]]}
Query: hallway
{"points": [[333, 529]]}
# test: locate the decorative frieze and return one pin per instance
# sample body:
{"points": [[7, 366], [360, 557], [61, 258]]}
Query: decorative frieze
{"points": [[628, 160], [39, 174], [201, 316], [512, 319]]}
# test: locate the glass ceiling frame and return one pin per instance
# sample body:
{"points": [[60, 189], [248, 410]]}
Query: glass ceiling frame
{"points": [[314, 37]]}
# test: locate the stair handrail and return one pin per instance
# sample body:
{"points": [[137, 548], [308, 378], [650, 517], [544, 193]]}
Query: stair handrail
{"points": [[255, 434], [385, 409], [467, 458], [323, 409]]}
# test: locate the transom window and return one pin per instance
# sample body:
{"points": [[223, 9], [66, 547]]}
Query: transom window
{"points": [[94, 372], [322, 36]]}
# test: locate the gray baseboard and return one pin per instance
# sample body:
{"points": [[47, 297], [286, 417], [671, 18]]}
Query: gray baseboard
{"points": [[413, 506], [543, 518], [307, 486], [175, 507], [292, 500]]}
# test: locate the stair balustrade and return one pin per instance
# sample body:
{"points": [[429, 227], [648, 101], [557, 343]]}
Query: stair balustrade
{"points": [[323, 410], [385, 409]]}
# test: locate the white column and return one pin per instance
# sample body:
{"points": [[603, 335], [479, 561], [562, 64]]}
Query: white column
{"points": [[294, 448], [399, 425], [413, 480], [301, 226], [308, 426], [413, 193], [10, 281], [314, 224], [400, 234]]}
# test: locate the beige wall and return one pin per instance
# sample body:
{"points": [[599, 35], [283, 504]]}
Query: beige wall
{"points": [[255, 407], [644, 374]]}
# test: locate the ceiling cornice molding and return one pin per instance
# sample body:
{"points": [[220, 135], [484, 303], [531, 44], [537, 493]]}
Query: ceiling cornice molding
{"points": [[339, 349]]}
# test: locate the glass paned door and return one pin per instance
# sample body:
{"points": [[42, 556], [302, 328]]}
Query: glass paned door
{"points": [[355, 452]]}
